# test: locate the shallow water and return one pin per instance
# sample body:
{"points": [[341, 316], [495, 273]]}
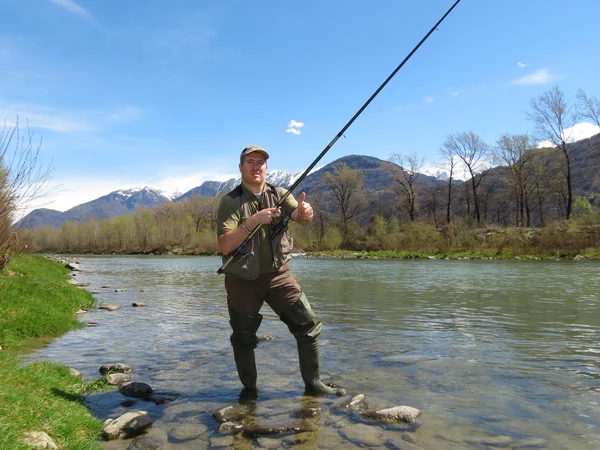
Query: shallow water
{"points": [[492, 352]]}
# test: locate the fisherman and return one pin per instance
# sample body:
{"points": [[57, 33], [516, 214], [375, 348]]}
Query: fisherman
{"points": [[260, 271]]}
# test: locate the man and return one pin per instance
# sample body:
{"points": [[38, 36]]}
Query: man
{"points": [[260, 272]]}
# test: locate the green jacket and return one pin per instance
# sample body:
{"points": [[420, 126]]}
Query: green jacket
{"points": [[261, 254]]}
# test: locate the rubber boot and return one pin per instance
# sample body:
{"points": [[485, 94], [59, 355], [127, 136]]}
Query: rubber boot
{"points": [[244, 340], [308, 354], [306, 327]]}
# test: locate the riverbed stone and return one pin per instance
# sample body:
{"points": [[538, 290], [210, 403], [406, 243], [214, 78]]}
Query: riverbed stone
{"points": [[187, 431], [269, 442], [230, 427], [364, 434], [74, 372], [92, 324], [356, 402], [135, 389], [221, 441], [402, 413], [128, 425], [117, 378], [530, 443], [109, 307], [120, 290], [491, 441], [231, 413], [138, 304], [114, 368], [147, 443], [39, 439]]}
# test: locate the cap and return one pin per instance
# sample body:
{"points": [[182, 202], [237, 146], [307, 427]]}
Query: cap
{"points": [[252, 149]]}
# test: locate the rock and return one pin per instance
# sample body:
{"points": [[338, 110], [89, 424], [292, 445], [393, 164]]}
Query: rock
{"points": [[186, 432], [266, 337], [109, 307], [81, 311], [221, 442], [147, 443], [269, 442], [406, 414], [114, 368], [120, 290], [39, 439], [72, 266], [135, 389], [92, 324], [74, 372], [231, 413], [356, 402], [230, 427], [578, 258], [128, 425], [491, 441], [138, 304], [364, 435], [105, 287], [530, 443], [127, 403], [117, 378], [305, 413], [82, 284]]}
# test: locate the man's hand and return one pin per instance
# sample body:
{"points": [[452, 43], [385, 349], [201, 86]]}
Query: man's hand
{"points": [[305, 211], [265, 216]]}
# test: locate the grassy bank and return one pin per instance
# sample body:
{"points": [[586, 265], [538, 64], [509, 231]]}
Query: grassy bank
{"points": [[37, 301]]}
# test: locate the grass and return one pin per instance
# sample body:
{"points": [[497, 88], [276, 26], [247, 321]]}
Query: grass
{"points": [[37, 301]]}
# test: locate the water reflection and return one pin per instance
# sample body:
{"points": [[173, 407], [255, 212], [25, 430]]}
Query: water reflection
{"points": [[503, 351]]}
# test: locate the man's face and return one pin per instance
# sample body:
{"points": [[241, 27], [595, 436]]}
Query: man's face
{"points": [[254, 169]]}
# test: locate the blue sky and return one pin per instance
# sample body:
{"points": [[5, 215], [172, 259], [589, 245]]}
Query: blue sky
{"points": [[166, 94]]}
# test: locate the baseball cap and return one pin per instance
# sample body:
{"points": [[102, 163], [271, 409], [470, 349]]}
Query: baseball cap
{"points": [[252, 149]]}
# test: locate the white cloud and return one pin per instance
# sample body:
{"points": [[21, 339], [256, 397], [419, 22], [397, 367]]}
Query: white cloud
{"points": [[541, 76], [521, 65], [293, 131], [294, 124], [454, 93], [428, 99], [65, 121], [73, 8]]}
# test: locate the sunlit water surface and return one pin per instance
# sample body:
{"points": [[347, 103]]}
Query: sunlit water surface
{"points": [[492, 352]]}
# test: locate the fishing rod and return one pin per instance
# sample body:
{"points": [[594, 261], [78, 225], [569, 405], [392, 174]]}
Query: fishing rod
{"points": [[282, 223]]}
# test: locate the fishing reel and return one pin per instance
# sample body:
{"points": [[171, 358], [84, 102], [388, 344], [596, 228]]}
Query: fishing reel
{"points": [[279, 225]]}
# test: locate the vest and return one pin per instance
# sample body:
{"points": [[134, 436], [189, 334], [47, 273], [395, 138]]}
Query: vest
{"points": [[246, 263]]}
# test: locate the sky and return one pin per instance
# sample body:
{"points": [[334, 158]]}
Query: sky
{"points": [[125, 94]]}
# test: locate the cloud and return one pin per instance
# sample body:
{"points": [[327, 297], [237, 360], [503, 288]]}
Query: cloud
{"points": [[541, 76], [428, 99], [293, 127], [73, 8], [521, 65], [294, 124], [454, 93], [65, 121]]}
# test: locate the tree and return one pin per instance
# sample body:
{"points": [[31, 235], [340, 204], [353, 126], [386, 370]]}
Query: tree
{"points": [[588, 107], [23, 179], [552, 117], [473, 153], [406, 180], [515, 151], [346, 185], [447, 152]]}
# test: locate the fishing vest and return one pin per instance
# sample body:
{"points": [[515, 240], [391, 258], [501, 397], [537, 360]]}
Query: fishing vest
{"points": [[246, 264]]}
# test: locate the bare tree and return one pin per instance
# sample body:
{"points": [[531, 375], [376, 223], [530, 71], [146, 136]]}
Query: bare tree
{"points": [[346, 185], [473, 153], [552, 117], [407, 180], [588, 107], [450, 160], [515, 151], [23, 179]]}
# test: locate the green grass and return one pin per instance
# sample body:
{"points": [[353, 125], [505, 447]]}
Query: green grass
{"points": [[37, 301]]}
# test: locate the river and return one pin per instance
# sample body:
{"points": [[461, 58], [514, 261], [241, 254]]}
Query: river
{"points": [[493, 353]]}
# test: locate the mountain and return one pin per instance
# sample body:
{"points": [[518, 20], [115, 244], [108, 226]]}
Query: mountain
{"points": [[117, 203]]}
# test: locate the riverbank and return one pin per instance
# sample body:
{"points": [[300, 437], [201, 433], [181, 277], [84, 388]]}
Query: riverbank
{"points": [[37, 301], [588, 254]]}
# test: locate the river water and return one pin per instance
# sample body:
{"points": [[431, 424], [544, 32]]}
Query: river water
{"points": [[493, 353]]}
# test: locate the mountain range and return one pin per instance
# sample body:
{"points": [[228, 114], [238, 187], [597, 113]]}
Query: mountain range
{"points": [[377, 190]]}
